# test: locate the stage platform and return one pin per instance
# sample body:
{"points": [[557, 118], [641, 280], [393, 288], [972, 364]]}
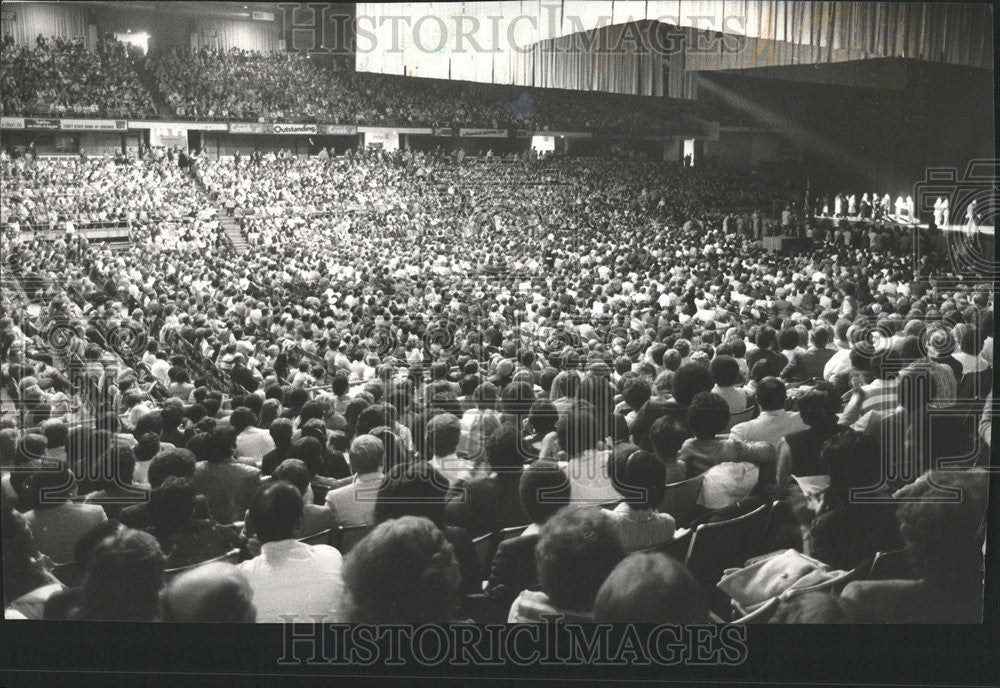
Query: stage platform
{"points": [[893, 221]]}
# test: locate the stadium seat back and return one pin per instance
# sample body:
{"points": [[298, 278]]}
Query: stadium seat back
{"points": [[681, 499]]}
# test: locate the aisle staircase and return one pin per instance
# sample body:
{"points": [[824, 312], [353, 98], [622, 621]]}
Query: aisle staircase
{"points": [[235, 234]]}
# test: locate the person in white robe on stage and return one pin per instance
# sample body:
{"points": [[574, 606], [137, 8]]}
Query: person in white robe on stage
{"points": [[911, 210], [900, 208], [970, 216], [938, 211], [838, 205], [945, 212], [852, 205]]}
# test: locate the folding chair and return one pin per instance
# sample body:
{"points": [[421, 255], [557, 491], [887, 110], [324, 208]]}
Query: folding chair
{"points": [[749, 413], [483, 545], [320, 538], [69, 574], [681, 499], [760, 615], [344, 539], [230, 557], [717, 546], [890, 566]]}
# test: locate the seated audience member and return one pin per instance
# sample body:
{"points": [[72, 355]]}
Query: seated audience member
{"points": [[577, 550], [418, 490], [227, 484], [726, 376], [26, 583], [56, 523], [484, 505], [689, 380], [443, 434], [60, 605], [586, 463], [147, 447], [542, 420], [315, 517], [55, 432], [732, 467], [213, 593], [918, 431], [650, 588], [707, 419], [635, 393], [252, 442], [124, 579], [119, 490], [766, 350], [542, 491], [809, 364], [179, 463], [857, 517], [404, 571], [816, 608], [354, 504], [799, 452], [639, 477], [280, 431], [667, 436], [977, 372], [184, 539], [943, 543], [774, 422], [479, 422], [291, 581]]}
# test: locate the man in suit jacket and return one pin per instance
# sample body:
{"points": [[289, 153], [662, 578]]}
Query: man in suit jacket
{"points": [[809, 364], [226, 483], [544, 490], [353, 504]]}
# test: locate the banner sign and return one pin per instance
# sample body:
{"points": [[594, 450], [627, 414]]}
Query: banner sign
{"points": [[568, 134], [343, 129], [95, 124], [293, 129], [443, 131], [395, 130], [522, 133], [483, 133], [186, 126], [33, 123], [246, 128], [12, 122]]}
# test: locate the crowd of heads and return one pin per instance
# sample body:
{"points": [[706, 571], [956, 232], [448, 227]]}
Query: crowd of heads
{"points": [[59, 77], [585, 326]]}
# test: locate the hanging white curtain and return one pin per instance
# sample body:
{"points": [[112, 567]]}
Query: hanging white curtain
{"points": [[25, 21]]}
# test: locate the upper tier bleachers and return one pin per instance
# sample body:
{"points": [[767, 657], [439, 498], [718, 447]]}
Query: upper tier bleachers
{"points": [[60, 78], [63, 79]]}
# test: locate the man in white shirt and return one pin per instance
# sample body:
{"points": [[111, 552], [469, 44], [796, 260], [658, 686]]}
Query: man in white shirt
{"points": [[774, 422], [443, 434], [291, 581], [354, 503], [251, 442]]}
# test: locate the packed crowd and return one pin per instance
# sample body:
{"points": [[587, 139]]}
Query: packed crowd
{"points": [[420, 353], [153, 197], [62, 78], [277, 86]]}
